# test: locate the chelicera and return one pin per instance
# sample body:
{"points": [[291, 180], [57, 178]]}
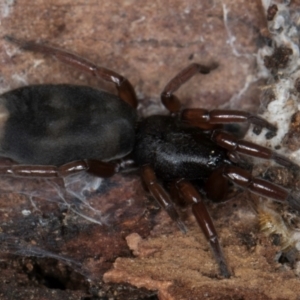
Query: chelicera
{"points": [[58, 130]]}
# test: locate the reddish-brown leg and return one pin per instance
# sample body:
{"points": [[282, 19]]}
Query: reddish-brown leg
{"points": [[124, 87], [216, 186], [170, 101], [190, 194], [95, 167], [161, 196], [261, 187], [199, 117], [233, 144]]}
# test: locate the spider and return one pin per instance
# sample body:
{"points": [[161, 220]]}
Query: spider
{"points": [[58, 130]]}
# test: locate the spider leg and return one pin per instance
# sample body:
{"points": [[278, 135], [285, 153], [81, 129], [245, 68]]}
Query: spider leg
{"points": [[200, 117], [125, 89], [95, 167], [261, 187], [231, 143], [190, 194], [216, 186], [161, 196], [170, 101]]}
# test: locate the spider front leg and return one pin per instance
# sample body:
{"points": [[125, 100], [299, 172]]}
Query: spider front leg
{"points": [[95, 167], [231, 143], [190, 195], [125, 89], [244, 179], [202, 117]]}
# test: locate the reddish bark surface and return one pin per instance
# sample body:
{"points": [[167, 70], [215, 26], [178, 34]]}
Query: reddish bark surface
{"points": [[50, 252]]}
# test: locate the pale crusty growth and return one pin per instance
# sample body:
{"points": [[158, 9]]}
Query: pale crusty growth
{"points": [[279, 63]]}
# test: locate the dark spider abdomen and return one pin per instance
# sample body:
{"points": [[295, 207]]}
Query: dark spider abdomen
{"points": [[175, 150], [55, 124]]}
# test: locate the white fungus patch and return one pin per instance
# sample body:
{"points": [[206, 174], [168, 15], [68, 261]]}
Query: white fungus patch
{"points": [[26, 212], [6, 7], [284, 102], [279, 64]]}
